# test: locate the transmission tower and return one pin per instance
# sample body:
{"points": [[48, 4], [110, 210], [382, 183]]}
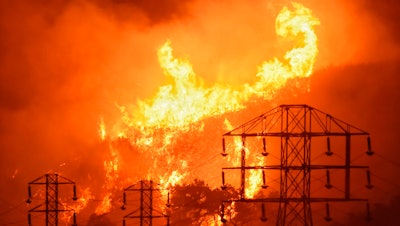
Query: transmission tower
{"points": [[296, 126], [51, 206], [146, 210]]}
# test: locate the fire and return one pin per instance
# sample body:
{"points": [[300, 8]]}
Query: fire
{"points": [[172, 180], [211, 220], [102, 129], [83, 200], [77, 206], [298, 62], [254, 180], [112, 174], [105, 205], [188, 100], [152, 125]]}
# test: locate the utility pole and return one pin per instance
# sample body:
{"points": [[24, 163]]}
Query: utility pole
{"points": [[51, 206], [295, 127], [146, 211]]}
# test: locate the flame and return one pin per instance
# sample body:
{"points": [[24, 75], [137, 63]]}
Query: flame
{"points": [[153, 124], [187, 100], [105, 205], [102, 130], [77, 206], [211, 220], [111, 167], [298, 62], [83, 200], [254, 180], [172, 180]]}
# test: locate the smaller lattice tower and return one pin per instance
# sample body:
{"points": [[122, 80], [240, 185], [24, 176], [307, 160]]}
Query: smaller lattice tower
{"points": [[147, 211], [51, 207]]}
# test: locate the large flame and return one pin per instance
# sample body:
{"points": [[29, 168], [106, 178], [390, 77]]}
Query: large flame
{"points": [[152, 124], [188, 100]]}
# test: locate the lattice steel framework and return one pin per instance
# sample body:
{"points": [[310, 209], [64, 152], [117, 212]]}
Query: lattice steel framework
{"points": [[51, 207], [146, 211], [295, 126]]}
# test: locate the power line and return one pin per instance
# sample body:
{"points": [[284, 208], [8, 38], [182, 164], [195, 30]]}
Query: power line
{"points": [[295, 125]]}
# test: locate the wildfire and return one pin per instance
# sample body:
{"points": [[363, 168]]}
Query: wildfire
{"points": [[105, 205], [76, 206], [254, 181], [152, 124], [188, 100], [298, 62], [111, 167]]}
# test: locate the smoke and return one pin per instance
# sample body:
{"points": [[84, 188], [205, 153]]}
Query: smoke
{"points": [[64, 65]]}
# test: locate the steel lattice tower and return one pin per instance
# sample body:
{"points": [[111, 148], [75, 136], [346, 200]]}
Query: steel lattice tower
{"points": [[51, 207], [146, 212], [296, 126]]}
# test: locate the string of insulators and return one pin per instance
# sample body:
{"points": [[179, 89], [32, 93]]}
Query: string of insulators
{"points": [[29, 200], [328, 212], [328, 144], [369, 185], [74, 197], [168, 202], [223, 220], [263, 217], [368, 212], [369, 151], [223, 187], [123, 205], [123, 222], [264, 153], [223, 148], [264, 183], [74, 224], [328, 184]]}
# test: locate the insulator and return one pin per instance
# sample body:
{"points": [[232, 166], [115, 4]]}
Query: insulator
{"points": [[75, 197], [369, 151], [168, 202], [29, 200], [328, 214], [223, 220], [368, 212], [264, 184], [167, 221], [123, 222], [328, 180], [223, 148], [328, 144], [74, 224], [369, 185], [264, 145], [263, 218], [29, 219], [223, 187], [264, 153], [124, 198]]}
